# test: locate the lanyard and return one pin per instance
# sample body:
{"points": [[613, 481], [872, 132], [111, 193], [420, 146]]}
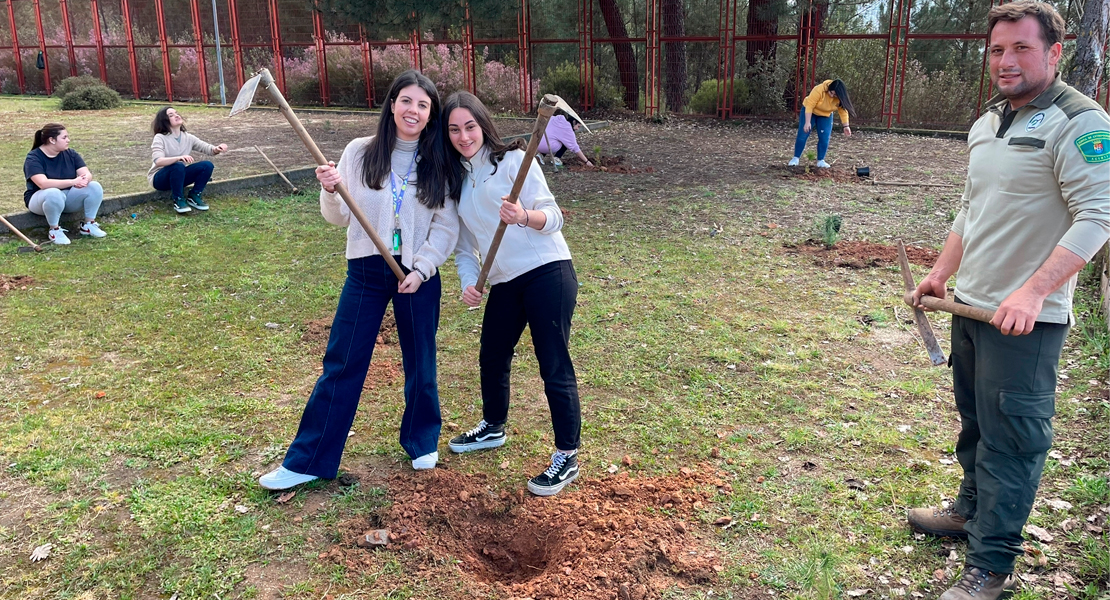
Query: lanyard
{"points": [[397, 199]]}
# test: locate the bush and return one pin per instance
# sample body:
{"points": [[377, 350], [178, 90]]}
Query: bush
{"points": [[704, 100], [829, 229], [565, 82], [72, 84], [92, 97]]}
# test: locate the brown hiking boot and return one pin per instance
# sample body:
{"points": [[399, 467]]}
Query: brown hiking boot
{"points": [[981, 584], [936, 521]]}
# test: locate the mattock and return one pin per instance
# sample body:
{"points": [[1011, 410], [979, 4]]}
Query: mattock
{"points": [[934, 303], [548, 105], [243, 102]]}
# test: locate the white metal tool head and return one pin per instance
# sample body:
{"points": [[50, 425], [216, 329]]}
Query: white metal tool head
{"points": [[246, 94], [550, 103]]}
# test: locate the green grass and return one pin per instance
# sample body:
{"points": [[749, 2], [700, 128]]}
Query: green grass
{"points": [[687, 346]]}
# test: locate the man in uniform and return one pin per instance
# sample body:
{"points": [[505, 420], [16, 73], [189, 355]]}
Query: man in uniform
{"points": [[1035, 209]]}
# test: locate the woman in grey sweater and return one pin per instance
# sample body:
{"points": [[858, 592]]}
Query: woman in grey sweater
{"points": [[398, 177], [172, 164]]}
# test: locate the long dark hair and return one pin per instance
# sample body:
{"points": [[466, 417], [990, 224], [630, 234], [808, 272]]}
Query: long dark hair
{"points": [[50, 130], [490, 137], [161, 122], [431, 169], [841, 91]]}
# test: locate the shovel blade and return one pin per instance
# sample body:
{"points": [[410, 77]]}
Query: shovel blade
{"points": [[246, 95], [558, 103]]}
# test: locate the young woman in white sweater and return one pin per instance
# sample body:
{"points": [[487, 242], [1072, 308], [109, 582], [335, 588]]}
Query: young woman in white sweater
{"points": [[399, 179], [533, 283], [173, 167]]}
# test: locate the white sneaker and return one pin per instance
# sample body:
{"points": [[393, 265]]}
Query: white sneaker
{"points": [[428, 461], [92, 229], [793, 162], [59, 237], [555, 160], [539, 157], [283, 479], [822, 164]]}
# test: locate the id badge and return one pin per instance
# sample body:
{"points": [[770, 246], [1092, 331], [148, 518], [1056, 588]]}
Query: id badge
{"points": [[396, 240]]}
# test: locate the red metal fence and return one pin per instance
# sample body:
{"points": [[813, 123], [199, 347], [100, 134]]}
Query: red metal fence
{"points": [[720, 57]]}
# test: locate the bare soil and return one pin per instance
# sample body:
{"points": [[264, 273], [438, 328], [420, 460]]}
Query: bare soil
{"points": [[614, 537], [9, 283], [861, 255]]}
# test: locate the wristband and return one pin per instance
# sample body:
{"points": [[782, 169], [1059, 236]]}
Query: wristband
{"points": [[526, 219], [423, 275]]}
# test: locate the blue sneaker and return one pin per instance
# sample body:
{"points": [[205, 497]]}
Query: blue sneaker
{"points": [[196, 200], [181, 206]]}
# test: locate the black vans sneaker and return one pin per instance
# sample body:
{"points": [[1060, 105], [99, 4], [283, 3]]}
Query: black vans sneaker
{"points": [[563, 470], [481, 437]]}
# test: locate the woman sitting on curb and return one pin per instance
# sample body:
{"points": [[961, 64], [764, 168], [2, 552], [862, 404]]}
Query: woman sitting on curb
{"points": [[58, 181], [173, 166]]}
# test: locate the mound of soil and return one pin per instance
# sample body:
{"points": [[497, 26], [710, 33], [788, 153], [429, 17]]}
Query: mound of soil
{"points": [[10, 283], [616, 537], [608, 164], [861, 255], [811, 173]]}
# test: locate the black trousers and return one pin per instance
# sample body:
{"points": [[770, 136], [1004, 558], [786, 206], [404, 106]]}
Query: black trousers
{"points": [[544, 299], [1005, 388]]}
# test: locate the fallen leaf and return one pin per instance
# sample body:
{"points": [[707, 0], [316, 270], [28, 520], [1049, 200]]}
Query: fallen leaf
{"points": [[907, 549], [857, 593], [772, 226], [286, 497], [505, 465], [239, 508], [99, 395], [1058, 504], [721, 522], [1039, 533], [41, 553], [939, 575], [613, 468]]}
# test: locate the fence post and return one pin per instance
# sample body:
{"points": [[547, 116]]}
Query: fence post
{"points": [[15, 50], [275, 40], [236, 45], [42, 48], [470, 73], [651, 59], [69, 38], [894, 74], [318, 35], [165, 47], [586, 52], [198, 39], [726, 59], [98, 35], [367, 65], [130, 48], [524, 52]]}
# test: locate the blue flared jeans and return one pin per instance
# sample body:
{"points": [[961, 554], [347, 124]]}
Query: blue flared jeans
{"points": [[823, 127], [330, 411]]}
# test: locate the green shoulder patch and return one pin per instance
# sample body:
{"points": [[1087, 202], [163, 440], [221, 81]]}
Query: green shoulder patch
{"points": [[1094, 146]]}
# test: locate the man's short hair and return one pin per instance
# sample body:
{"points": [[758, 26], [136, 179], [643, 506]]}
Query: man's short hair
{"points": [[1052, 24]]}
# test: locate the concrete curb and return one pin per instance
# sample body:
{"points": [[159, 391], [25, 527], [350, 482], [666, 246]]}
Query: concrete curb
{"points": [[28, 221]]}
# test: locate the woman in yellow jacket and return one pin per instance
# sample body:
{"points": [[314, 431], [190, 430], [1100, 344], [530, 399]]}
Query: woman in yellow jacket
{"points": [[829, 96]]}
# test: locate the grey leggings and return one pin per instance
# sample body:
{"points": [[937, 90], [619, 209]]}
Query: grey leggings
{"points": [[52, 202]]}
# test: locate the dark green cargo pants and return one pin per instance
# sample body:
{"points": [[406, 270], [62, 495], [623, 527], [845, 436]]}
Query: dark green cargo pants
{"points": [[1005, 388]]}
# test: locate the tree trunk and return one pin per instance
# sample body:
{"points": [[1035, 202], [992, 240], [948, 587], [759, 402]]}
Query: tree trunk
{"points": [[763, 19], [674, 25], [1089, 43], [626, 59]]}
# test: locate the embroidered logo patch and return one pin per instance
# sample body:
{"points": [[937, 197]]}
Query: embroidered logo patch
{"points": [[1094, 146], [1035, 121]]}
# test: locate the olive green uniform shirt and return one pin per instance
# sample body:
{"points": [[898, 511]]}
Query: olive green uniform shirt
{"points": [[1038, 177]]}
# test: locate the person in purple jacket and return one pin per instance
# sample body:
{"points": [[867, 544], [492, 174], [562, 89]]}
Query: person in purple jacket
{"points": [[559, 137]]}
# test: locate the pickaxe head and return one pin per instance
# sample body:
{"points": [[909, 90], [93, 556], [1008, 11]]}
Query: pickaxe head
{"points": [[246, 94], [550, 103], [936, 355]]}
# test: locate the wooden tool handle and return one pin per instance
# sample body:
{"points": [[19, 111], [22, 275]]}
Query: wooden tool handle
{"points": [[356, 212], [19, 233], [948, 306], [522, 173], [277, 170]]}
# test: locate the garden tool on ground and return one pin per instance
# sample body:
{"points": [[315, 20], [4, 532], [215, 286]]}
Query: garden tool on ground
{"points": [[36, 247]]}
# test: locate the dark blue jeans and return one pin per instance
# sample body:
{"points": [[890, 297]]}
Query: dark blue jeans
{"points": [[331, 408], [823, 126], [178, 175]]}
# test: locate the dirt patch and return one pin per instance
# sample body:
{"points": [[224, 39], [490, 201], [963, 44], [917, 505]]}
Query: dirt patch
{"points": [[861, 255], [810, 173], [385, 369], [10, 283], [606, 164], [616, 537]]}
